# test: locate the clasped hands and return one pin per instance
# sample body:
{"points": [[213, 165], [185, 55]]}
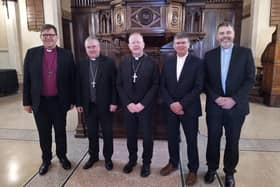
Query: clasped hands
{"points": [[135, 108], [225, 102], [112, 108], [177, 108]]}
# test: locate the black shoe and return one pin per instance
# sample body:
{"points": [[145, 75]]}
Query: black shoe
{"points": [[209, 176], [129, 167], [44, 168], [90, 163], [109, 165], [229, 181], [145, 170], [65, 163]]}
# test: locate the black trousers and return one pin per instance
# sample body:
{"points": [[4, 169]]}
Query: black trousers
{"points": [[93, 118], [190, 127], [134, 121], [232, 125], [51, 114]]}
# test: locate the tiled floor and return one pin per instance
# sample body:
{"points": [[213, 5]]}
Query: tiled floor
{"points": [[20, 154]]}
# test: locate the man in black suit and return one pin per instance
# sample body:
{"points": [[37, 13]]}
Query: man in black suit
{"points": [[48, 92], [137, 84], [229, 76], [181, 85], [96, 97]]}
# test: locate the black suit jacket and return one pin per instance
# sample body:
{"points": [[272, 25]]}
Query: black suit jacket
{"points": [[147, 83], [187, 90], [240, 79], [32, 79], [106, 92]]}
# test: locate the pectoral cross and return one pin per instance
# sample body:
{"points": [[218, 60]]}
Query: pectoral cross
{"points": [[134, 77], [50, 73], [93, 84]]}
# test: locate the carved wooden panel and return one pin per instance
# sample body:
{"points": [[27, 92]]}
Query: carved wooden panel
{"points": [[145, 18], [175, 18], [119, 19], [35, 14]]}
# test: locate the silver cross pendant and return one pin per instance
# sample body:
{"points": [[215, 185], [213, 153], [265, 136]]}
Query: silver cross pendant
{"points": [[134, 77]]}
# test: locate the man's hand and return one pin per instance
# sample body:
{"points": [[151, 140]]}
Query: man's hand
{"points": [[113, 108], [79, 109], [220, 101], [225, 102], [139, 107], [228, 103], [131, 108], [177, 108], [28, 109]]}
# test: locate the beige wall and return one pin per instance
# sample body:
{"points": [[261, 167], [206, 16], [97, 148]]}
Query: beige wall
{"points": [[256, 31], [4, 56], [3, 34]]}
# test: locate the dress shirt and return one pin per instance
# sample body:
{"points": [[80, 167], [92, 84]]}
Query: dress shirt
{"points": [[225, 61], [180, 65]]}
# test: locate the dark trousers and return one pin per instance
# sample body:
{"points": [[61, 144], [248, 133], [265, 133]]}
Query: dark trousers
{"points": [[142, 120], [190, 127], [50, 114], [93, 119], [232, 125]]}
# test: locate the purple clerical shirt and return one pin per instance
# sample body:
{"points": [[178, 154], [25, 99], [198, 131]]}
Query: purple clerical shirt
{"points": [[49, 68]]}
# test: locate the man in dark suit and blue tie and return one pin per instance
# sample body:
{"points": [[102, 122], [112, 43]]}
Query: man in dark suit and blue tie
{"points": [[137, 84], [97, 98], [181, 85], [229, 76], [48, 92]]}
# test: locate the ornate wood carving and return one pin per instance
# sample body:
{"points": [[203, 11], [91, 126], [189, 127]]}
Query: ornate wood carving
{"points": [[271, 61], [35, 14], [158, 21]]}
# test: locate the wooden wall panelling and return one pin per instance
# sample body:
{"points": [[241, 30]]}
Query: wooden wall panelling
{"points": [[216, 13]]}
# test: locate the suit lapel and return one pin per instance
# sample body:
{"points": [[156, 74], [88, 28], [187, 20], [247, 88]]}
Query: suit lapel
{"points": [[59, 64], [100, 69], [39, 63], [173, 69], [86, 71], [217, 67]]}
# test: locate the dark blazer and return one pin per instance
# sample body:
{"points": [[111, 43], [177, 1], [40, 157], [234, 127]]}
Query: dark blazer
{"points": [[32, 79], [147, 84], [187, 90], [106, 92], [240, 79]]}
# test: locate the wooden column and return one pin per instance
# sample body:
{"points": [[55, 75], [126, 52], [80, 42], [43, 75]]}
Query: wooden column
{"points": [[271, 61]]}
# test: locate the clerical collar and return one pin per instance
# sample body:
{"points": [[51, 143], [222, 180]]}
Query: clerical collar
{"points": [[92, 59], [227, 49], [138, 57], [49, 50]]}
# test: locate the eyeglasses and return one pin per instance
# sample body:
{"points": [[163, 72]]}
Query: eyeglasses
{"points": [[48, 35]]}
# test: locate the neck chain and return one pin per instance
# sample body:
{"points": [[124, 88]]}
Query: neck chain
{"points": [[93, 75], [135, 69]]}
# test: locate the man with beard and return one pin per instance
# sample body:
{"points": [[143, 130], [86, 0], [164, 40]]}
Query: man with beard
{"points": [[229, 76]]}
